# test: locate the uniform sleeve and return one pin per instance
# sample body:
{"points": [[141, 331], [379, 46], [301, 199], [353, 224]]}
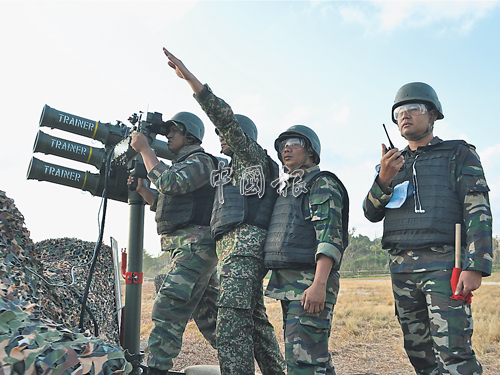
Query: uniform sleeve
{"points": [[183, 177], [473, 191], [324, 209], [220, 113], [375, 202]]}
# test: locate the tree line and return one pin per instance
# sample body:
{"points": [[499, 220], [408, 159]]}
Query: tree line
{"points": [[363, 257]]}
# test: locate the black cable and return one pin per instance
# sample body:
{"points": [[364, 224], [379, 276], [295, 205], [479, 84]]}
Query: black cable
{"points": [[98, 246], [87, 308]]}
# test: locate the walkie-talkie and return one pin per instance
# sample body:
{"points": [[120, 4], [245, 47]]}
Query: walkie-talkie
{"points": [[390, 142]]}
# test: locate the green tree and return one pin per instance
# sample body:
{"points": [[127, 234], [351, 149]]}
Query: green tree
{"points": [[364, 256], [496, 253], [152, 266]]}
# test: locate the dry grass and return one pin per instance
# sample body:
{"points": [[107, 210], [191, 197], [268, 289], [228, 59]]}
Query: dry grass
{"points": [[366, 337]]}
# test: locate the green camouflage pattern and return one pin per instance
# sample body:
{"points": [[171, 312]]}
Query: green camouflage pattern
{"points": [[243, 328], [442, 344], [158, 282], [437, 330], [290, 284], [306, 339], [246, 152], [30, 342], [185, 176], [181, 178], [467, 177], [323, 206], [190, 287], [307, 335], [241, 302]]}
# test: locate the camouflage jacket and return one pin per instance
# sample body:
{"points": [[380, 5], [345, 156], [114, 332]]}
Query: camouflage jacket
{"points": [[246, 153], [465, 171], [181, 178], [323, 206]]}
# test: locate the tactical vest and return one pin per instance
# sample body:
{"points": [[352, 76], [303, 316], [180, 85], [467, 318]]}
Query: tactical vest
{"points": [[239, 208], [291, 240], [175, 211], [406, 229]]}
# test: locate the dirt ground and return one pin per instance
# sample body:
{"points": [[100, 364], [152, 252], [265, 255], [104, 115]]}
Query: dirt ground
{"points": [[382, 358], [373, 352]]}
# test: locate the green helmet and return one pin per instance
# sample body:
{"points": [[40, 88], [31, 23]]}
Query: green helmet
{"points": [[417, 92], [191, 123], [301, 131], [247, 126]]}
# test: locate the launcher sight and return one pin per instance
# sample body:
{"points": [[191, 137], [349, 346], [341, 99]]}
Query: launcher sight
{"points": [[116, 146]]}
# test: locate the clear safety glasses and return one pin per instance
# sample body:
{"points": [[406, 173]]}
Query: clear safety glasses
{"points": [[413, 109], [292, 143]]}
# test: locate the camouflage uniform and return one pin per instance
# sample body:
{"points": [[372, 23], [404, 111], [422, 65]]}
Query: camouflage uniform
{"points": [[307, 334], [243, 328], [437, 330], [191, 285], [30, 343]]}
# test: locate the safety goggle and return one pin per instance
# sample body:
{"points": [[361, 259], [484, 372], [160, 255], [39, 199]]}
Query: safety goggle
{"points": [[413, 109], [292, 143]]}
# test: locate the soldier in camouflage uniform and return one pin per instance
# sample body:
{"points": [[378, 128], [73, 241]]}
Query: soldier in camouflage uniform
{"points": [[435, 184], [183, 206], [239, 225], [304, 246]]}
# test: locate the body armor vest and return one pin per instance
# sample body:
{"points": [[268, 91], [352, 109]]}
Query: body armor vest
{"points": [[239, 208], [291, 240], [175, 211], [441, 208]]}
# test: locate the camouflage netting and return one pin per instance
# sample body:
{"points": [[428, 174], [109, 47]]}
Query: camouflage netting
{"points": [[56, 258], [37, 321]]}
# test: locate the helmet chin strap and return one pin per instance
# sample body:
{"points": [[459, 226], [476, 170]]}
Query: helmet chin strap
{"points": [[304, 161], [430, 129]]}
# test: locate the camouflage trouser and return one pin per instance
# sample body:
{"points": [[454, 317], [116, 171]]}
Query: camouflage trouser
{"points": [[306, 339], [190, 289], [243, 328], [437, 330]]}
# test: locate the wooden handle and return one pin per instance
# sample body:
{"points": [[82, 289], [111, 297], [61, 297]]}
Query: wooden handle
{"points": [[458, 245]]}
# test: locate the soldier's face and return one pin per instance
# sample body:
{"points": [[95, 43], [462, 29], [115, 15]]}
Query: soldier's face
{"points": [[175, 139], [412, 126], [293, 155]]}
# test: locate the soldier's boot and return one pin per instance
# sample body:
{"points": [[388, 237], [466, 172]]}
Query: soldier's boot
{"points": [[154, 371]]}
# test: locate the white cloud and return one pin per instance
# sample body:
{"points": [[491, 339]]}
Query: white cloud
{"points": [[391, 15]]}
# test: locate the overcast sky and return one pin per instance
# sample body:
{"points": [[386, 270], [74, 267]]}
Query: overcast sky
{"points": [[333, 66]]}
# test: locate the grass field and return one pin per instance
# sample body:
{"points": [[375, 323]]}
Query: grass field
{"points": [[366, 337]]}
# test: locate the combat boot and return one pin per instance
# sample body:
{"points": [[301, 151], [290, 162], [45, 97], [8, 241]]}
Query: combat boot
{"points": [[154, 371]]}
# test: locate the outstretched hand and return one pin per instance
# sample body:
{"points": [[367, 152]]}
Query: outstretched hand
{"points": [[183, 72], [177, 65]]}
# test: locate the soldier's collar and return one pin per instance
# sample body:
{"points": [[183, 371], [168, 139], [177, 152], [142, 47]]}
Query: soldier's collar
{"points": [[434, 141], [188, 149]]}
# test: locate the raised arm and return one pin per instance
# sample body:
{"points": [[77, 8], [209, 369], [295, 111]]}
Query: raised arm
{"points": [[183, 72]]}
